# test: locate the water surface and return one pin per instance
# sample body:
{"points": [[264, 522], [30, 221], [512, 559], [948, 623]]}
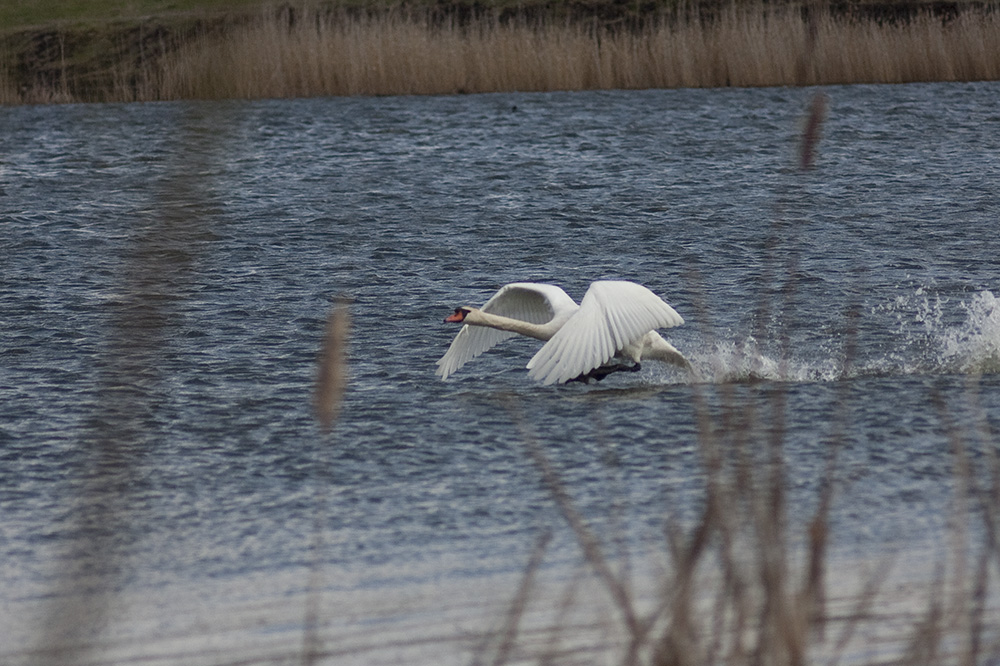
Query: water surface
{"points": [[167, 270]]}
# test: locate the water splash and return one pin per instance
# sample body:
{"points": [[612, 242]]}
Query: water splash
{"points": [[923, 334], [941, 335], [973, 347], [745, 361]]}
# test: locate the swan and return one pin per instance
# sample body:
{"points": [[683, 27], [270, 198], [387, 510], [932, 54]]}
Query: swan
{"points": [[614, 319]]}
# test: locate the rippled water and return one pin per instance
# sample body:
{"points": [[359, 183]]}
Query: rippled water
{"points": [[167, 270]]}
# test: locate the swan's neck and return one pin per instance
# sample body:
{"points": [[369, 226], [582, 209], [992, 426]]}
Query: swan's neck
{"points": [[537, 331]]}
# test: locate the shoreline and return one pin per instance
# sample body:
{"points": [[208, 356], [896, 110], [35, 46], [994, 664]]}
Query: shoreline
{"points": [[327, 50]]}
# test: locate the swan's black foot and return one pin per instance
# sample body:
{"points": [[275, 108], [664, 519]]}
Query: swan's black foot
{"points": [[597, 374]]}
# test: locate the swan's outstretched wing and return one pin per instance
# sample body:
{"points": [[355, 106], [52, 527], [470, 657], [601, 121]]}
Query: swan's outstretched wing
{"points": [[612, 315], [527, 301]]}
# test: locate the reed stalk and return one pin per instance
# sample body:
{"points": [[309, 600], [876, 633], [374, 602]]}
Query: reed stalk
{"points": [[743, 585]]}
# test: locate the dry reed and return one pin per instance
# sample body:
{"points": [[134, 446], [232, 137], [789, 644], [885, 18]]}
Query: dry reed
{"points": [[741, 585], [397, 53], [328, 396], [331, 374]]}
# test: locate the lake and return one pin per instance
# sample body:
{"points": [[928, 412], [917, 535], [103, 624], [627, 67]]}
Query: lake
{"points": [[166, 271]]}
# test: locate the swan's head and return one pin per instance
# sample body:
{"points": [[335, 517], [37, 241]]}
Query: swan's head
{"points": [[458, 316]]}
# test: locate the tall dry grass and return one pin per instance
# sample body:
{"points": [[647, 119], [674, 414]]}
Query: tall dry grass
{"points": [[397, 54], [311, 53], [744, 582], [741, 585]]}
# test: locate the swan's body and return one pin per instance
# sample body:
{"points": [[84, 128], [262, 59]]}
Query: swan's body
{"points": [[615, 319]]}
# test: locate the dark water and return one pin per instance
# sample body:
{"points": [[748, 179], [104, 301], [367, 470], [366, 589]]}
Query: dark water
{"points": [[166, 271]]}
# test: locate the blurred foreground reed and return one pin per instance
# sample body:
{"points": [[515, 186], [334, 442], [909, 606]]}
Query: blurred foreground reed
{"points": [[739, 585], [318, 53], [742, 582]]}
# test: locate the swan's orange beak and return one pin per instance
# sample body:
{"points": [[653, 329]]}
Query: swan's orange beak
{"points": [[456, 318]]}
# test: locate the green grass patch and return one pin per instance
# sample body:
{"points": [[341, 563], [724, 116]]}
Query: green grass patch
{"points": [[17, 14], [24, 14]]}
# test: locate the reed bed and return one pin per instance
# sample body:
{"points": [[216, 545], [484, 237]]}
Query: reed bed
{"points": [[314, 53], [395, 54]]}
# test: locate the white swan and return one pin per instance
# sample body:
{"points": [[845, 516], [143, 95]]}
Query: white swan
{"points": [[615, 319]]}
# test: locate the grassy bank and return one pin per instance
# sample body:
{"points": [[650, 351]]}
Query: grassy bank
{"points": [[251, 51]]}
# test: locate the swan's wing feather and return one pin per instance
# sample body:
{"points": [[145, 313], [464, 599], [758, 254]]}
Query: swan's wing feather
{"points": [[613, 315], [527, 301], [470, 342]]}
